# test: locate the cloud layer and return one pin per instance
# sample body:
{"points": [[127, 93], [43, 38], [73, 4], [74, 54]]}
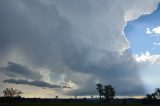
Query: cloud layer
{"points": [[78, 41], [155, 31], [34, 83], [14, 69]]}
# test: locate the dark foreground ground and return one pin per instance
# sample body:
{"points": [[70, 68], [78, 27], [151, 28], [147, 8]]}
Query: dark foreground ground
{"points": [[76, 102], [71, 104]]}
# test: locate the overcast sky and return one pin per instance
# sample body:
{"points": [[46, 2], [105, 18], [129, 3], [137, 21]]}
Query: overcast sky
{"points": [[65, 47]]}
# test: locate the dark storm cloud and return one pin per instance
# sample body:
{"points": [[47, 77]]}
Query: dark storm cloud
{"points": [[34, 83], [36, 34], [14, 69], [118, 70], [66, 38]]}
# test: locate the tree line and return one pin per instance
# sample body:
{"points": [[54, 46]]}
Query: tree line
{"points": [[106, 91]]}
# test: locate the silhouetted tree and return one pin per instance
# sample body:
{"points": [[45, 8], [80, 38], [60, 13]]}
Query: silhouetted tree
{"points": [[100, 89], [109, 92], [92, 97], [157, 93], [10, 92], [153, 96], [149, 96], [56, 97]]}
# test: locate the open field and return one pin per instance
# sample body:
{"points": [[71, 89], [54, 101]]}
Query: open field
{"points": [[71, 104], [6, 101]]}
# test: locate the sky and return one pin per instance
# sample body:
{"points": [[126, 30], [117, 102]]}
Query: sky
{"points": [[144, 37], [144, 32], [64, 48]]}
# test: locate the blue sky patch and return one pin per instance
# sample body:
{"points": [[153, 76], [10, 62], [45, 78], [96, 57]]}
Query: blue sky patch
{"points": [[143, 33]]}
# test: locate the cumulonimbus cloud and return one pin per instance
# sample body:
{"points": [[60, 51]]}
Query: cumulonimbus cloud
{"points": [[81, 41]]}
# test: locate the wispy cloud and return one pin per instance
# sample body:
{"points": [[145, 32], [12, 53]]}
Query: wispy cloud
{"points": [[148, 31], [156, 44]]}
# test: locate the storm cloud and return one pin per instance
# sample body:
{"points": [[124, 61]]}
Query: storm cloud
{"points": [[34, 83], [75, 40], [14, 69]]}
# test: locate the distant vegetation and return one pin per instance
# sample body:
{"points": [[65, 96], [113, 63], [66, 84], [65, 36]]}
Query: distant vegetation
{"points": [[154, 95], [10, 92], [107, 91], [107, 95]]}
